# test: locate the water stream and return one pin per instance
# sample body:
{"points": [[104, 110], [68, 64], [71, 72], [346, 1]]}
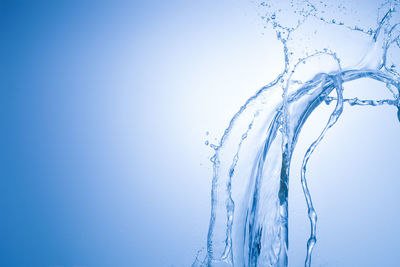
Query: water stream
{"points": [[249, 197]]}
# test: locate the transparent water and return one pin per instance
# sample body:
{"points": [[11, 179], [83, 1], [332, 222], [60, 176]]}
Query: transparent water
{"points": [[327, 46]]}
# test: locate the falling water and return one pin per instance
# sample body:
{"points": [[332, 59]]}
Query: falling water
{"points": [[249, 198]]}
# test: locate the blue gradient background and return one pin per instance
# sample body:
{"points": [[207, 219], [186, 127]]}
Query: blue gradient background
{"points": [[104, 108]]}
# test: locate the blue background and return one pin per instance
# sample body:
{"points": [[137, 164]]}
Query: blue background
{"points": [[104, 108]]}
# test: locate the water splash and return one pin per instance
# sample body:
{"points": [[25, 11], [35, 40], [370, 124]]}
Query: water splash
{"points": [[249, 197]]}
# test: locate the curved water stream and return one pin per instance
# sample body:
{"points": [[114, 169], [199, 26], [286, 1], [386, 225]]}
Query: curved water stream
{"points": [[249, 198]]}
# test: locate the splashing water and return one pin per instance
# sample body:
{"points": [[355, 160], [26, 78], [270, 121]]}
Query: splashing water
{"points": [[249, 198]]}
